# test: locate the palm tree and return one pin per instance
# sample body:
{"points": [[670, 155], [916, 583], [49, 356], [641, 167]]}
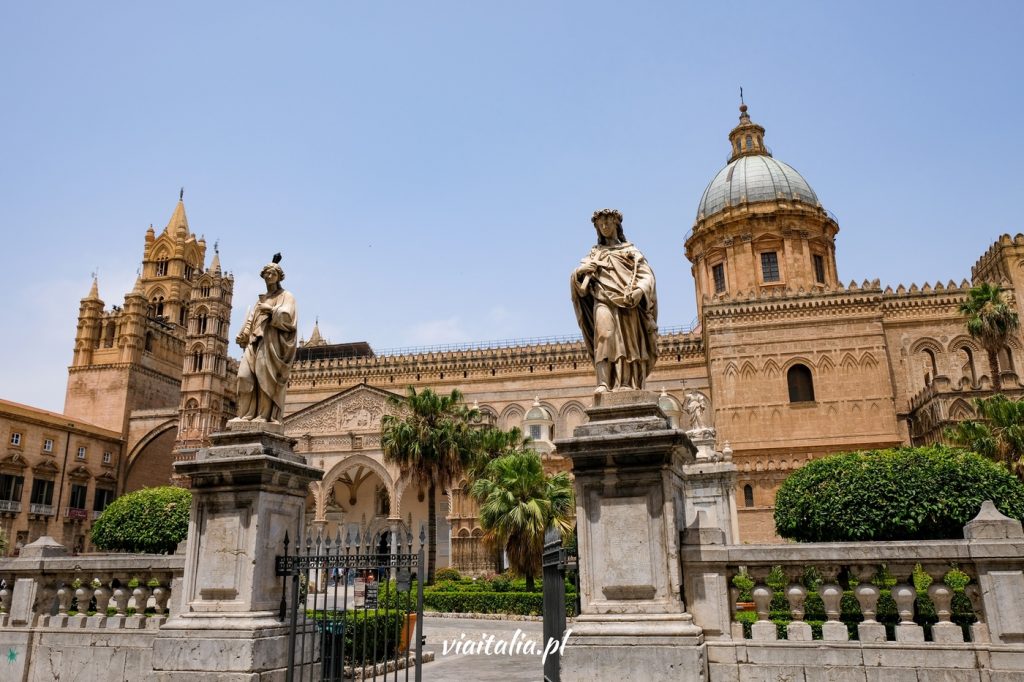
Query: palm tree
{"points": [[492, 443], [431, 442], [991, 321], [998, 433], [518, 502]]}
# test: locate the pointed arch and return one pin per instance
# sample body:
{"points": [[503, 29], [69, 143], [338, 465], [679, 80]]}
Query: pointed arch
{"points": [[848, 363], [772, 369], [826, 365], [511, 416], [960, 410], [868, 361], [730, 370], [747, 371]]}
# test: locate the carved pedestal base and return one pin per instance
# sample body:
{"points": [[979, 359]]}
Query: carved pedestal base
{"points": [[628, 466], [248, 489]]}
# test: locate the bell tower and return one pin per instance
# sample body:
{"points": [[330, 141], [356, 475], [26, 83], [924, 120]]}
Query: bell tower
{"points": [[208, 374]]}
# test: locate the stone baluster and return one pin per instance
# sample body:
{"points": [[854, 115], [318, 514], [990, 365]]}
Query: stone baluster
{"points": [[64, 595], [102, 594], [945, 631], [764, 628], [140, 596], [736, 627], [867, 593], [796, 595], [831, 593], [120, 596], [904, 594], [84, 595], [5, 603], [979, 630], [161, 595]]}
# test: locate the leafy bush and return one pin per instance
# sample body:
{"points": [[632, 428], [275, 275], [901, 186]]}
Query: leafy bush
{"points": [[357, 636], [152, 521], [447, 574], [898, 494]]}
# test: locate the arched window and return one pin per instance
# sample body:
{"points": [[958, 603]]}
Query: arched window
{"points": [[933, 367], [182, 315], [202, 323], [750, 142], [108, 338], [801, 384], [748, 495], [197, 361], [149, 342], [968, 368], [1006, 360], [158, 306], [161, 266]]}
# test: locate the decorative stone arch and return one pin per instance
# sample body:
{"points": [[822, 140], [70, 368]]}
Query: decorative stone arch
{"points": [[563, 423], [747, 371], [960, 410], [511, 416], [848, 363], [826, 365], [350, 462], [926, 343], [868, 360], [771, 368], [489, 413], [964, 340]]}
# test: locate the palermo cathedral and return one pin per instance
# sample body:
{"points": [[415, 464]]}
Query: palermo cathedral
{"points": [[793, 363]]}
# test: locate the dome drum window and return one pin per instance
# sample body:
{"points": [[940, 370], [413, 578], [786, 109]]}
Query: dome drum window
{"points": [[770, 266], [718, 274]]}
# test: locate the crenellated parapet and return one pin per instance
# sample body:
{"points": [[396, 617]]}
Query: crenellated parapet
{"points": [[567, 354], [995, 263]]}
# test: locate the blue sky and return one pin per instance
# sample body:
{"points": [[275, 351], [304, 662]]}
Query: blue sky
{"points": [[428, 169]]}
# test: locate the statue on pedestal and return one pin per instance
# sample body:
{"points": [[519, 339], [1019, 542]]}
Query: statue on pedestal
{"points": [[616, 306], [269, 337], [695, 406]]}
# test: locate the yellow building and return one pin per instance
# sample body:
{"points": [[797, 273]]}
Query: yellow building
{"points": [[57, 474]]}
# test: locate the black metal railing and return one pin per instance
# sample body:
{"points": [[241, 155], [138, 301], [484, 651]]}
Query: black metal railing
{"points": [[558, 562], [350, 607]]}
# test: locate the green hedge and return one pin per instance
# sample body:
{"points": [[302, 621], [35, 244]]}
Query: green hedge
{"points": [[926, 493], [448, 598], [359, 635]]}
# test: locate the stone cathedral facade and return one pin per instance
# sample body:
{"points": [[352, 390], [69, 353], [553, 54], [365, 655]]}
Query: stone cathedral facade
{"points": [[794, 364]]}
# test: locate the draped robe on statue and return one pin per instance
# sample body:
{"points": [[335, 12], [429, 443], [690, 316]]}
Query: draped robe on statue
{"points": [[267, 360], [625, 336]]}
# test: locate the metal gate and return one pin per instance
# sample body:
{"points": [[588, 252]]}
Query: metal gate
{"points": [[557, 562], [351, 609]]}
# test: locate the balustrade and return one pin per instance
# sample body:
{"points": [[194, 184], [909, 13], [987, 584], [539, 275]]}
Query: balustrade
{"points": [[116, 591]]}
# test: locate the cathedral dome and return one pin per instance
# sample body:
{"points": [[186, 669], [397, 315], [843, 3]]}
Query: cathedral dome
{"points": [[751, 178]]}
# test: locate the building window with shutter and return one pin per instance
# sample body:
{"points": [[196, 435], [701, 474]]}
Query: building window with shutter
{"points": [[819, 269]]}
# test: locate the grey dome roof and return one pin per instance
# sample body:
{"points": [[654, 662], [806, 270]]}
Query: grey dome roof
{"points": [[754, 178]]}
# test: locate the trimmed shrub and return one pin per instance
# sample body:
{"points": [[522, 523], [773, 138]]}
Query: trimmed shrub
{"points": [[898, 494], [150, 521], [357, 636], [447, 574]]}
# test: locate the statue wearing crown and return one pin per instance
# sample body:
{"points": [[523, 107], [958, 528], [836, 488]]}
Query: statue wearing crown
{"points": [[269, 338]]}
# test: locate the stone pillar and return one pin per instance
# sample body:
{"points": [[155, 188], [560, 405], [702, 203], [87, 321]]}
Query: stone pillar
{"points": [[628, 466], [994, 538], [709, 492], [248, 489]]}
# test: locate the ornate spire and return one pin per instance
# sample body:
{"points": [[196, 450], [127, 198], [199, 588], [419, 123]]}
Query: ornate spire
{"points": [[315, 339], [94, 291], [747, 138], [178, 224], [215, 263]]}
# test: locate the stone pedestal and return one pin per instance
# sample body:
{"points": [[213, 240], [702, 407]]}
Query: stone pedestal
{"points": [[248, 489], [628, 466]]}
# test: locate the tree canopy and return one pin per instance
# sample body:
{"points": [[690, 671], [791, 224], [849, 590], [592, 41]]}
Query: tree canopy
{"points": [[991, 321], [518, 502], [997, 433], [431, 441], [926, 493]]}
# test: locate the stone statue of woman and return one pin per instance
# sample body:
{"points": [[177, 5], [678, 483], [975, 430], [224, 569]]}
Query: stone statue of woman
{"points": [[269, 338], [616, 307]]}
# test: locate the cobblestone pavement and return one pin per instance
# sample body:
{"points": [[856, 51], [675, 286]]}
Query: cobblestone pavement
{"points": [[463, 667]]}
